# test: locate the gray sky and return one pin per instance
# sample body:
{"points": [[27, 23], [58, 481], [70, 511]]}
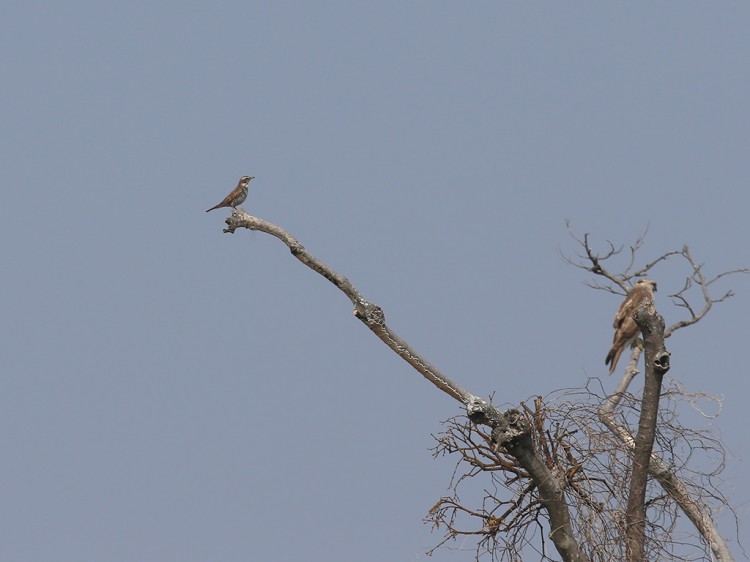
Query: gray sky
{"points": [[170, 392]]}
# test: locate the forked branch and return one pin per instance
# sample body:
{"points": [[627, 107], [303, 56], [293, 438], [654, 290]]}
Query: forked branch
{"points": [[593, 261]]}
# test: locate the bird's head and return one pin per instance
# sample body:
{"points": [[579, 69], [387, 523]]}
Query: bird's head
{"points": [[647, 282], [246, 179]]}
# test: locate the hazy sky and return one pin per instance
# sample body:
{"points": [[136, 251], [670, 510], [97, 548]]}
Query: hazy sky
{"points": [[173, 393]]}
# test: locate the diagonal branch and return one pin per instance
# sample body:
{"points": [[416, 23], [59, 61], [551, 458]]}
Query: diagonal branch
{"points": [[698, 513], [479, 411], [514, 434], [370, 314]]}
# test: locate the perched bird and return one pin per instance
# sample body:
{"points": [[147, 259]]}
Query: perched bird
{"points": [[237, 197], [626, 330]]}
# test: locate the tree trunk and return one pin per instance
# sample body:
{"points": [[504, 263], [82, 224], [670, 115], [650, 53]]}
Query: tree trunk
{"points": [[657, 363]]}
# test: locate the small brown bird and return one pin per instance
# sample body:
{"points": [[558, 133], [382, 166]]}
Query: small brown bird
{"points": [[626, 330], [237, 197]]}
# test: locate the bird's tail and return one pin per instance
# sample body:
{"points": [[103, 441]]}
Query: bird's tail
{"points": [[612, 358]]}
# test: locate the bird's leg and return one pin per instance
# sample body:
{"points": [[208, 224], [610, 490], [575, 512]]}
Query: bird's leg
{"points": [[637, 342]]}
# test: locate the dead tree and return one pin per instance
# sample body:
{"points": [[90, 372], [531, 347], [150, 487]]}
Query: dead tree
{"points": [[536, 453], [590, 261]]}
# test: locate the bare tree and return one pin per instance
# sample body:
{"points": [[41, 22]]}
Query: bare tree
{"points": [[568, 467]]}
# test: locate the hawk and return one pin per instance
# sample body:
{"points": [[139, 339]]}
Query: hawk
{"points": [[626, 330]]}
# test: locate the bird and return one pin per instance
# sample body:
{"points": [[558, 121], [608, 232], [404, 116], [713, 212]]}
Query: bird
{"points": [[238, 195], [626, 330]]}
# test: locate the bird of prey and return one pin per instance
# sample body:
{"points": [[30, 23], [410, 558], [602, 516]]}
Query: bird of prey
{"points": [[626, 330], [237, 197]]}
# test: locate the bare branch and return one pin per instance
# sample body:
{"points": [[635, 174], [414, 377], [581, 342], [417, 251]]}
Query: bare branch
{"points": [[515, 436], [697, 278], [370, 314], [677, 490], [634, 249], [592, 463], [643, 271], [592, 262], [730, 272], [509, 425]]}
